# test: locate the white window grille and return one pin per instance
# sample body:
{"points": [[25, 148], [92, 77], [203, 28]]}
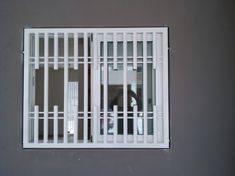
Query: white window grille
{"points": [[96, 88]]}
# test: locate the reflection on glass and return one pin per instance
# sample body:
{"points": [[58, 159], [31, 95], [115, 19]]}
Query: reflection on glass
{"points": [[115, 87], [149, 48], [150, 86]]}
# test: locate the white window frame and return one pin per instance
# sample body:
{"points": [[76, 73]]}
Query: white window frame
{"points": [[159, 37]]}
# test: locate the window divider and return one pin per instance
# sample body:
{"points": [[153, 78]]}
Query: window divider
{"points": [[46, 82], [65, 87], [75, 140], [145, 86], [135, 116], [55, 123], [85, 120], [75, 37], [134, 51], [55, 51], [105, 89], [114, 51], [36, 51], [36, 124], [125, 87]]}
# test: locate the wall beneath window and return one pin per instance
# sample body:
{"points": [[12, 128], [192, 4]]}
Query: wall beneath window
{"points": [[202, 87]]}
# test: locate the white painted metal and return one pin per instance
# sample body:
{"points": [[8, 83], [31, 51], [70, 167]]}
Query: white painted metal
{"points": [[159, 87], [160, 138], [35, 124], [97, 145], [115, 121], [75, 124], [85, 120], [124, 88], [135, 123], [55, 51], [165, 87], [154, 51], [95, 52], [155, 124], [95, 118], [66, 87], [134, 51], [36, 50], [115, 51], [55, 123], [105, 89], [26, 88], [75, 35], [46, 79], [145, 97]]}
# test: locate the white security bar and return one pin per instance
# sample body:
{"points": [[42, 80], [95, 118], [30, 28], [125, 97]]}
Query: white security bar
{"points": [[26, 88], [114, 51], [105, 89], [36, 51], [124, 88], [75, 124], [65, 87], [75, 35], [115, 121], [35, 124], [135, 123], [55, 51], [85, 120], [154, 51], [145, 86], [165, 127], [55, 123], [134, 51], [95, 119], [155, 124], [95, 52], [46, 79]]}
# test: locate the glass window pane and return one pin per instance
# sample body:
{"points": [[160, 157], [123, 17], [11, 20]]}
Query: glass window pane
{"points": [[149, 48], [151, 90]]}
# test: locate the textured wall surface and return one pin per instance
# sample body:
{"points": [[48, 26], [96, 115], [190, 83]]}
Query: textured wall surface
{"points": [[202, 87]]}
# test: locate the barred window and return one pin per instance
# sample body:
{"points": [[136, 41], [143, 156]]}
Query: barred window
{"points": [[96, 88]]}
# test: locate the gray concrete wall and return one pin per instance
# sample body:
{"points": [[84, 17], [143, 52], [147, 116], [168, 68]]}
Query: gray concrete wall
{"points": [[202, 90]]}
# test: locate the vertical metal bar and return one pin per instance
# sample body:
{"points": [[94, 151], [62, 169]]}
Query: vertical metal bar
{"points": [[145, 86], [85, 137], [75, 35], [95, 118], [96, 87], [55, 51], [165, 87], [155, 117], [95, 52], [65, 87], [159, 86], [36, 51], [75, 124], [125, 87], [154, 51], [135, 124], [115, 121], [26, 87], [135, 51], [115, 51], [105, 88], [55, 112], [46, 78], [36, 124]]}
